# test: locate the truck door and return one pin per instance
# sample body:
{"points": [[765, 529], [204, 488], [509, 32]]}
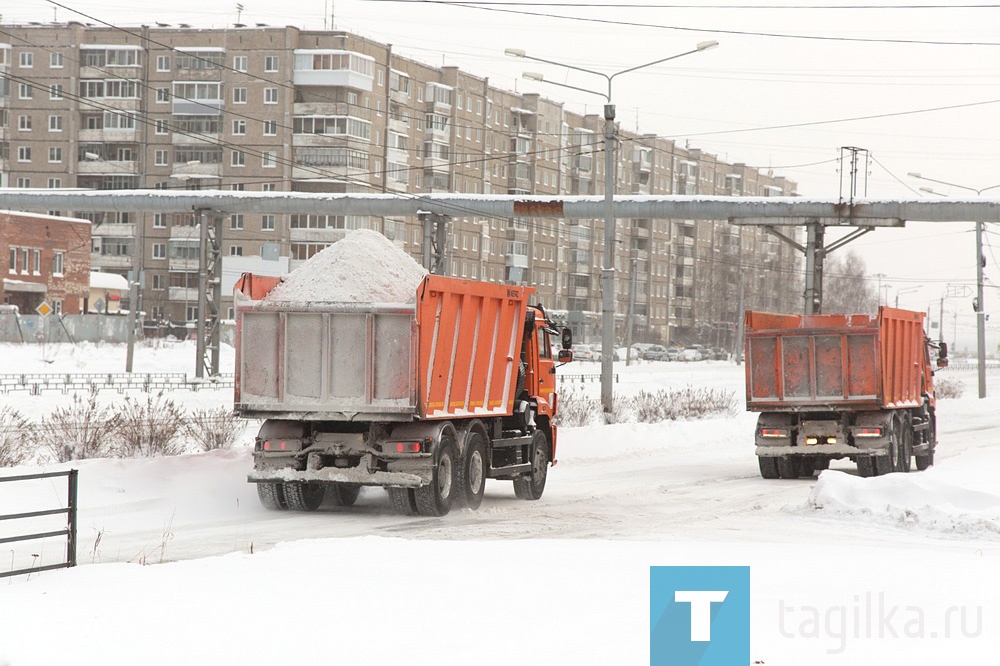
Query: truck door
{"points": [[543, 381]]}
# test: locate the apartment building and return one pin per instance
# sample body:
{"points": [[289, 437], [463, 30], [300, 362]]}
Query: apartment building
{"points": [[283, 109]]}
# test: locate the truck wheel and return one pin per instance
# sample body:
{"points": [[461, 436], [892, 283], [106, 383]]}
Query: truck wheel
{"points": [[343, 494], [271, 496], [436, 498], [866, 466], [472, 472], [904, 445], [930, 436], [304, 496], [403, 501], [532, 486], [788, 467], [768, 466]]}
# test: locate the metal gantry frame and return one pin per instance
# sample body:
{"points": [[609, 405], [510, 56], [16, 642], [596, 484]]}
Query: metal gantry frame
{"points": [[816, 215]]}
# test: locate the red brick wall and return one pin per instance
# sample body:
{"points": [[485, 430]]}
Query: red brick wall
{"points": [[48, 235]]}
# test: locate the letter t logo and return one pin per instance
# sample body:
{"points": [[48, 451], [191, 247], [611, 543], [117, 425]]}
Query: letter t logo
{"points": [[701, 610]]}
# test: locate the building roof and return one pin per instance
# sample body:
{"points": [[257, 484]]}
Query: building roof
{"points": [[100, 280]]}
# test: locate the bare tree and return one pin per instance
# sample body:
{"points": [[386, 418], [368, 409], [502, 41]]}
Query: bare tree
{"points": [[846, 286]]}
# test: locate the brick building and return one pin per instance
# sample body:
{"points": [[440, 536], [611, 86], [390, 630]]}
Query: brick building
{"points": [[283, 109], [44, 258]]}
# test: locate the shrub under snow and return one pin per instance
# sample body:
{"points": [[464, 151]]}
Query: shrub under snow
{"points": [[578, 409]]}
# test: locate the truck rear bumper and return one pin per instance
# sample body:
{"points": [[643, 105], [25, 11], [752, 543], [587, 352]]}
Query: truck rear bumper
{"points": [[816, 450], [353, 475]]}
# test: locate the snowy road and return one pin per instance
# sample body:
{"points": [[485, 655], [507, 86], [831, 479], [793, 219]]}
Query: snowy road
{"points": [[622, 498]]}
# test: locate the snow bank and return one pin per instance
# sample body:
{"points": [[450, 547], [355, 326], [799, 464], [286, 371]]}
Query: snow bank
{"points": [[363, 267], [919, 500]]}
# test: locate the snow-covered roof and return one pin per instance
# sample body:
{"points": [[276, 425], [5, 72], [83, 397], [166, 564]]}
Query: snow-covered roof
{"points": [[100, 280]]}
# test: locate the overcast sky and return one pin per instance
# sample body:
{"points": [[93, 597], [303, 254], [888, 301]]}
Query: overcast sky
{"points": [[787, 88]]}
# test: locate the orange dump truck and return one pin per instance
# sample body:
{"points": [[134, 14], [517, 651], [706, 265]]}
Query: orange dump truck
{"points": [[426, 399], [841, 386]]}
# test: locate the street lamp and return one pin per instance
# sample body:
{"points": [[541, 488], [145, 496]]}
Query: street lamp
{"points": [[608, 270], [980, 264], [907, 291]]}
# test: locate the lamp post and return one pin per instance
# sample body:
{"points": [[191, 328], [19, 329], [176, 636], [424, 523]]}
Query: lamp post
{"points": [[907, 291], [608, 270], [980, 264]]}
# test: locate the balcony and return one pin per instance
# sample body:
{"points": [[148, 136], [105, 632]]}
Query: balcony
{"points": [[184, 265], [398, 125], [179, 232], [399, 96], [516, 261], [195, 138], [196, 170], [106, 167], [113, 229], [183, 293], [109, 136], [110, 260], [331, 68], [331, 109], [316, 235]]}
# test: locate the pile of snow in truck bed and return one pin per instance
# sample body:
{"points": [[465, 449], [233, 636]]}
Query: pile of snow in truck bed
{"points": [[363, 267]]}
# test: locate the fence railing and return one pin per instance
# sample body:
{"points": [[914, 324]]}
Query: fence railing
{"points": [[583, 379], [36, 383], [69, 531]]}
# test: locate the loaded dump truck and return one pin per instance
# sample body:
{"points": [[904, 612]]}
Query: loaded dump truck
{"points": [[426, 397], [841, 386]]}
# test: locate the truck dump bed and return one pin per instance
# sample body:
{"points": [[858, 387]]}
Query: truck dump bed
{"points": [[454, 353], [802, 362]]}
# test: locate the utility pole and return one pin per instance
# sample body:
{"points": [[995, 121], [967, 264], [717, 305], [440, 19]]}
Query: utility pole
{"points": [[633, 253], [980, 311]]}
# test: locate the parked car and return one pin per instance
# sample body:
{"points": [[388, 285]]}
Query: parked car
{"points": [[719, 354], [639, 348], [655, 353], [673, 353], [692, 353], [586, 353], [621, 351]]}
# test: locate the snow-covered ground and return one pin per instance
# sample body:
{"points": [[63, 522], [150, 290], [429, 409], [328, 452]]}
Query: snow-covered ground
{"points": [[896, 569]]}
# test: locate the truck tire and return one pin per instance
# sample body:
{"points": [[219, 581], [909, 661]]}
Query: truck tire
{"points": [[532, 485], [303, 496], [472, 472], [866, 466], [788, 467], [402, 500], [435, 499], [271, 496], [904, 444], [930, 437], [343, 494], [768, 466]]}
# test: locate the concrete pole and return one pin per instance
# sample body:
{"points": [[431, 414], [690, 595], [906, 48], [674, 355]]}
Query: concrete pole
{"points": [[631, 306], [608, 271], [980, 312]]}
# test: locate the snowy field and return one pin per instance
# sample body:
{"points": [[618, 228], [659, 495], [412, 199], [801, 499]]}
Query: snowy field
{"points": [[180, 564]]}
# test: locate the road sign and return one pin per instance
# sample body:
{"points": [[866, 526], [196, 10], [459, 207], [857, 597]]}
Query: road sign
{"points": [[44, 309]]}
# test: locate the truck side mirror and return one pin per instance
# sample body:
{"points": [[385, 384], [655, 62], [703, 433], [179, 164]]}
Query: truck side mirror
{"points": [[942, 359], [565, 355], [567, 341]]}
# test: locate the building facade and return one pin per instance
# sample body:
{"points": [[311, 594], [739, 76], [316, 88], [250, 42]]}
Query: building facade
{"points": [[44, 260], [283, 109]]}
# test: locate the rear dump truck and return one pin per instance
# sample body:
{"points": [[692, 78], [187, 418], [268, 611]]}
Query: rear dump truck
{"points": [[841, 386], [426, 399]]}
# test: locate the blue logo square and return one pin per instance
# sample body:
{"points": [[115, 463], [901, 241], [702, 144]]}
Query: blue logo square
{"points": [[699, 616]]}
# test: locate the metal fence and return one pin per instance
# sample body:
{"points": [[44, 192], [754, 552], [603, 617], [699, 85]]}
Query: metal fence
{"points": [[37, 383], [69, 531]]}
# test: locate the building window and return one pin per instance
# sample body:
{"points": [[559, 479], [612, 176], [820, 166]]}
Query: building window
{"points": [[57, 306], [267, 187], [58, 259], [270, 95], [160, 158], [235, 250], [237, 187], [162, 95], [157, 282], [271, 64], [267, 223], [239, 95], [160, 220], [24, 91], [24, 153], [24, 182], [55, 154], [163, 63], [24, 123], [239, 127], [239, 158], [159, 250], [55, 183], [236, 221], [55, 123], [36, 255], [161, 126], [240, 63], [27, 59], [270, 128], [13, 261], [267, 160], [55, 60], [56, 91]]}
